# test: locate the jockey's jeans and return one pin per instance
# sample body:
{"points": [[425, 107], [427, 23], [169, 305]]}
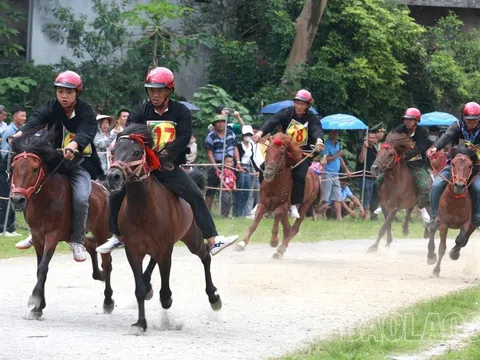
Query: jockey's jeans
{"points": [[181, 185], [81, 184], [439, 185]]}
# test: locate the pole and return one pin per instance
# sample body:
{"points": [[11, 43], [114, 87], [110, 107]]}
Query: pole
{"points": [[364, 169], [223, 163], [9, 199]]}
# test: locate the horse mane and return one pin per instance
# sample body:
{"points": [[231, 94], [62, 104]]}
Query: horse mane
{"points": [[138, 129], [401, 142], [294, 149], [42, 146], [464, 151]]}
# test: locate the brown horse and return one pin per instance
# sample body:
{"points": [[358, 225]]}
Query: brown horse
{"points": [[152, 219], [398, 188], [276, 190], [455, 208], [45, 197]]}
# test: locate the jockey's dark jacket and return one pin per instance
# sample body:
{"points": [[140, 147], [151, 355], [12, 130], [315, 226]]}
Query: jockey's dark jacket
{"points": [[454, 134], [177, 113], [284, 118], [83, 124], [417, 156]]}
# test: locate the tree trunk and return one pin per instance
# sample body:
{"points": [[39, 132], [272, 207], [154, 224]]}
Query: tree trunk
{"points": [[306, 27]]}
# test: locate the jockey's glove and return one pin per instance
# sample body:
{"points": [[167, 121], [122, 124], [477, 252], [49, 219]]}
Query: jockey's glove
{"points": [[319, 147]]}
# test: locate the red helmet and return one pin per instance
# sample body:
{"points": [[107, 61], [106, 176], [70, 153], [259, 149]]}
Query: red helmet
{"points": [[304, 95], [471, 111], [412, 113], [160, 77], [69, 79]]}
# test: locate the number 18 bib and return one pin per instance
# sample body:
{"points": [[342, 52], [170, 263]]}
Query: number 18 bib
{"points": [[298, 132], [163, 132]]}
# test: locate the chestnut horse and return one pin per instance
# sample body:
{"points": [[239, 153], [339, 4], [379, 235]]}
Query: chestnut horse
{"points": [[45, 197], [152, 219], [455, 208], [398, 188], [276, 190]]}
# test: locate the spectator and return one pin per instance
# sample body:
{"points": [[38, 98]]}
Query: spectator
{"points": [[236, 128], [439, 159], [367, 151], [122, 117], [214, 145], [331, 190], [228, 184], [259, 150], [349, 202], [3, 117], [244, 159], [19, 116], [102, 141], [379, 130], [192, 145]]}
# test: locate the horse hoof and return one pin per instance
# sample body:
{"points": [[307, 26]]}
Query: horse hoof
{"points": [[432, 259], [136, 330], [34, 301], [149, 295], [274, 244], [372, 249], [277, 256], [436, 274], [454, 254], [167, 303], [34, 315], [108, 307], [240, 246], [217, 305]]}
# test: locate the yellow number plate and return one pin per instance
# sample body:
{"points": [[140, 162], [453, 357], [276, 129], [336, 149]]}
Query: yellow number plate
{"points": [[298, 132], [163, 132], [67, 139]]}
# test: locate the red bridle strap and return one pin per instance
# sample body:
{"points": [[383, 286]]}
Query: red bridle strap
{"points": [[389, 147], [41, 175], [133, 169]]}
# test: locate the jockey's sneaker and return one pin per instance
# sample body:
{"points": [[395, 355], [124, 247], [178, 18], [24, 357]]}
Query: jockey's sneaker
{"points": [[425, 216], [254, 210], [378, 211], [294, 212], [222, 242], [25, 243], [13, 233], [79, 252], [112, 244], [251, 217]]}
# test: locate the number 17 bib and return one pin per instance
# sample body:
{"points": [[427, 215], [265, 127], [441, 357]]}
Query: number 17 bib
{"points": [[163, 132], [298, 132]]}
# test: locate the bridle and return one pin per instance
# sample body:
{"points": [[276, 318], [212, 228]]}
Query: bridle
{"points": [[34, 189], [132, 170], [456, 178], [396, 158]]}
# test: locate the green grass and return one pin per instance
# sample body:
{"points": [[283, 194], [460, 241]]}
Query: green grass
{"points": [[310, 231], [406, 331], [469, 352]]}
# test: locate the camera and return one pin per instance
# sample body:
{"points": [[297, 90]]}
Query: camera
{"points": [[230, 111]]}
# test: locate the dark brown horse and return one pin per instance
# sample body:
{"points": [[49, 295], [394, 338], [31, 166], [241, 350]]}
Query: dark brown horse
{"points": [[276, 190], [454, 209], [152, 219], [45, 197], [398, 188]]}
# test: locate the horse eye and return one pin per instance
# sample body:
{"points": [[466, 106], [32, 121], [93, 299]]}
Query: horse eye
{"points": [[136, 153], [35, 170]]}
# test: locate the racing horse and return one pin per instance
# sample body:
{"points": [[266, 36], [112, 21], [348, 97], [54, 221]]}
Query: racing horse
{"points": [[152, 219], [398, 188], [455, 208], [276, 189], [45, 197]]}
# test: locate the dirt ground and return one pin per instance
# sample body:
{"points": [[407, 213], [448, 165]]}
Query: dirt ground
{"points": [[270, 306]]}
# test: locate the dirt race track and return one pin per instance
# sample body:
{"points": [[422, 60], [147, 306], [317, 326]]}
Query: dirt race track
{"points": [[269, 306]]}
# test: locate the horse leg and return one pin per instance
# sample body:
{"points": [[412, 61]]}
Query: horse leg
{"points": [[274, 240], [147, 277], [408, 215], [108, 302], [442, 248], [194, 241], [431, 257], [383, 229], [261, 210], [389, 229], [286, 237], [135, 261], [37, 299], [461, 240], [90, 245]]}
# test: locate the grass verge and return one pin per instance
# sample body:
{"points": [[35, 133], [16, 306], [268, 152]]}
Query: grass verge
{"points": [[469, 352], [407, 331]]}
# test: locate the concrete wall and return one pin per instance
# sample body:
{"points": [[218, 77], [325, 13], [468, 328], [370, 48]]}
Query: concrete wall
{"points": [[472, 4]]}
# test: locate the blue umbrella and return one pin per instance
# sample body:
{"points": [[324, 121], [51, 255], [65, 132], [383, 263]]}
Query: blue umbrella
{"points": [[437, 119], [276, 107], [190, 107], [342, 122]]}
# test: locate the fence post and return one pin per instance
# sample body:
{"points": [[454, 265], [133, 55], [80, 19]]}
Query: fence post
{"points": [[223, 166], [9, 199]]}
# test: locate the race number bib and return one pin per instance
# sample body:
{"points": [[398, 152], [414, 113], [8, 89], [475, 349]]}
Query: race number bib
{"points": [[468, 144], [163, 132], [67, 139], [298, 132]]}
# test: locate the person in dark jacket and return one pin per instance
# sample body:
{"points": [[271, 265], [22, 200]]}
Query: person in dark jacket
{"points": [[415, 158], [464, 133], [171, 125], [304, 127], [76, 120]]}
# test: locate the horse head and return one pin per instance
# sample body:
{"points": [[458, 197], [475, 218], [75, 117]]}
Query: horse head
{"points": [[34, 158], [132, 157], [281, 154], [462, 166], [391, 153]]}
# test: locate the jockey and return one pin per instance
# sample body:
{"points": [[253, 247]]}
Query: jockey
{"points": [[304, 127], [415, 158], [175, 123], [77, 120], [465, 132]]}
